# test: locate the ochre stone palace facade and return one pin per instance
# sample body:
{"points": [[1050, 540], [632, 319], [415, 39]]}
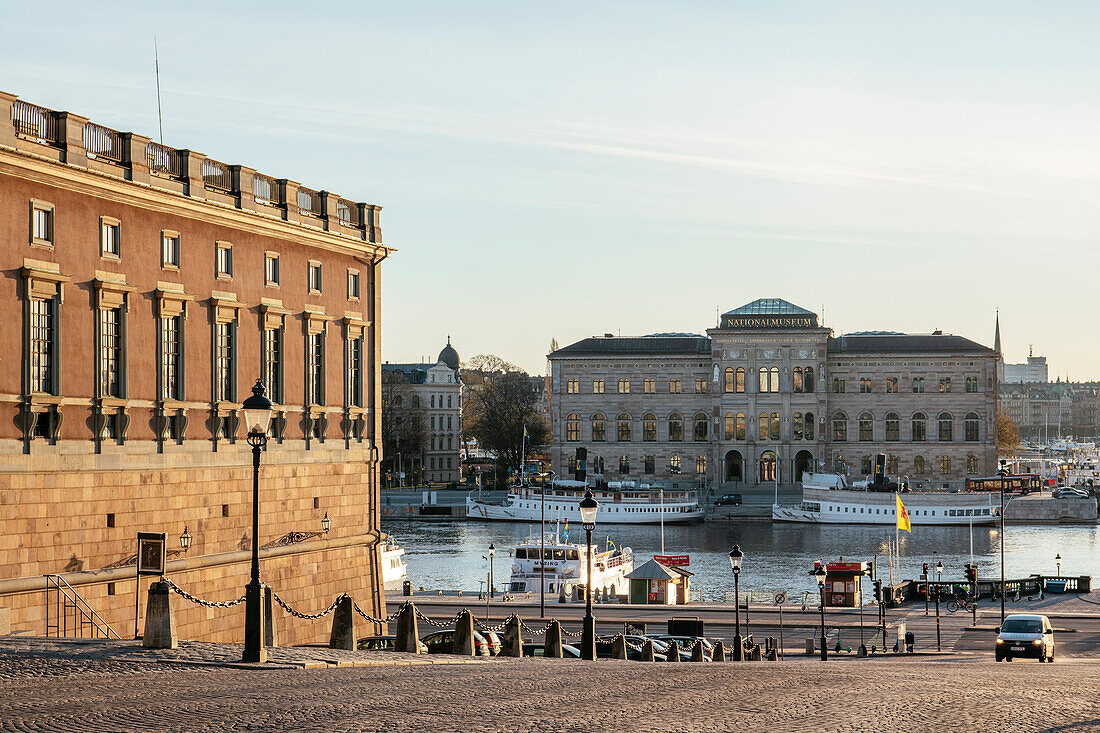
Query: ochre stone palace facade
{"points": [[145, 290], [769, 390]]}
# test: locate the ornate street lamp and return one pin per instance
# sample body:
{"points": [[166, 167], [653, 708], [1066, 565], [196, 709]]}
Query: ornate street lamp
{"points": [[257, 418], [1058, 559], [185, 539], [1002, 474], [735, 565], [326, 523], [588, 507], [492, 552], [820, 575]]}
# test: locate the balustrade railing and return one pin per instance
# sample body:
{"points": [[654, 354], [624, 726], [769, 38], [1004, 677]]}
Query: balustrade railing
{"points": [[309, 202], [163, 160], [36, 122], [348, 213], [266, 189], [103, 142], [217, 175]]}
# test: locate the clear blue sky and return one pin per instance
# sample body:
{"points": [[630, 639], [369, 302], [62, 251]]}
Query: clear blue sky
{"points": [[566, 169]]}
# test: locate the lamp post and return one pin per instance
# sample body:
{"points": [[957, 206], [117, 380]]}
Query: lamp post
{"points": [[820, 575], [257, 417], [862, 644], [939, 570], [1002, 473], [1057, 559], [588, 507], [185, 539], [735, 565], [492, 552], [326, 523]]}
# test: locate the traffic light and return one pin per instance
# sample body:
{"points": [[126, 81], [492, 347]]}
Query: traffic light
{"points": [[582, 464], [926, 571], [971, 573], [878, 590]]}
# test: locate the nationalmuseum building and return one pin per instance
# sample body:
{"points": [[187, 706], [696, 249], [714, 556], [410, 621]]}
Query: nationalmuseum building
{"points": [[146, 290], [769, 394]]}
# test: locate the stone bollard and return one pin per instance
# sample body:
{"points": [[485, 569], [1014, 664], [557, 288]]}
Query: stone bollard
{"points": [[697, 652], [271, 637], [343, 624], [673, 652], [511, 641], [618, 647], [408, 632], [561, 593], [810, 647], [647, 650], [464, 635], [552, 646], [719, 654], [754, 654], [160, 624]]}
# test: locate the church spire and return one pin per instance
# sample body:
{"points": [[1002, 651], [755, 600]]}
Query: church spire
{"points": [[997, 333]]}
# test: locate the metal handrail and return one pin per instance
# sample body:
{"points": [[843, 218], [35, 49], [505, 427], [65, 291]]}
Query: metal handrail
{"points": [[68, 597]]}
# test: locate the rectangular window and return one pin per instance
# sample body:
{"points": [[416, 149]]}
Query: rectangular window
{"points": [[225, 360], [353, 285], [674, 386], [597, 386], [315, 386], [315, 277], [573, 386], [355, 370], [945, 384], [892, 385], [624, 386], [224, 259], [649, 386], [700, 385], [273, 364], [110, 238], [42, 332], [271, 268], [42, 224], [838, 385], [110, 352], [171, 341], [650, 464], [169, 249]]}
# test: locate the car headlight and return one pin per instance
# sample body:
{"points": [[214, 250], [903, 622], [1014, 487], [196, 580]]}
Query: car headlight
{"points": [[1000, 640], [1037, 642]]}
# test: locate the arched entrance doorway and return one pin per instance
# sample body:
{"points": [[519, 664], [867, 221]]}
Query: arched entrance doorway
{"points": [[734, 466], [767, 468], [803, 462]]}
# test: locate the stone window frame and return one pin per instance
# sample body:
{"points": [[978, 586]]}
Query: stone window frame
{"points": [[104, 223], [272, 276], [42, 281], [37, 205], [112, 292], [355, 330], [353, 279], [273, 319], [315, 266], [165, 236], [219, 247]]}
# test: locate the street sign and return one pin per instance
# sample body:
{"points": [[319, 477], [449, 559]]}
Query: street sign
{"points": [[679, 561], [151, 555], [780, 598]]}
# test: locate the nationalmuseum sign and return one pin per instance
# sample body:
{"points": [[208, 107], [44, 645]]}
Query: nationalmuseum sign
{"points": [[730, 320]]}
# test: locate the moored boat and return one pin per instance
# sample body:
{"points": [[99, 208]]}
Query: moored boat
{"points": [[621, 502], [564, 565], [394, 571]]}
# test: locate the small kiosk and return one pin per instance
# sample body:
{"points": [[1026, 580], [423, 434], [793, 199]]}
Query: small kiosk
{"points": [[843, 586], [652, 582]]}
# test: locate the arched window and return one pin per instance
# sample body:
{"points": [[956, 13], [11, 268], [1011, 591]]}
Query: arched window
{"points": [[699, 431], [808, 426], [917, 426], [650, 464], [775, 426], [674, 464], [762, 385], [971, 426], [947, 430], [762, 426], [892, 464], [945, 464], [740, 381], [774, 373], [599, 428], [808, 380], [918, 384], [796, 426], [972, 464], [649, 427], [624, 428], [741, 432], [573, 427], [918, 464], [728, 425], [433, 401], [893, 427], [701, 464], [729, 383], [675, 427], [840, 427], [624, 464], [796, 380], [866, 427]]}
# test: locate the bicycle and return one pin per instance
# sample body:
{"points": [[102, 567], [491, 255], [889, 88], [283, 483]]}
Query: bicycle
{"points": [[954, 603]]}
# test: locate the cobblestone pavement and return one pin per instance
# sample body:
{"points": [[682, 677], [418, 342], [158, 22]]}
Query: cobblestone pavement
{"points": [[966, 693]]}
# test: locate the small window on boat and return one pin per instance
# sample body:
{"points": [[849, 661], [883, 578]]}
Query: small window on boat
{"points": [[521, 553], [573, 555], [559, 554]]}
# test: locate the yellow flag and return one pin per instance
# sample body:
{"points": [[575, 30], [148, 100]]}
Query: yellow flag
{"points": [[903, 516]]}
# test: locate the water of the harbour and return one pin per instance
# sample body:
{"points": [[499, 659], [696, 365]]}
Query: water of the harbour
{"points": [[449, 556]]}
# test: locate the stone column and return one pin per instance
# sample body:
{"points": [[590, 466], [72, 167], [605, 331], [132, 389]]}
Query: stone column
{"points": [[343, 625], [328, 206], [552, 646], [242, 177], [290, 197], [72, 138], [7, 132], [464, 636], [160, 624], [271, 637], [191, 172], [136, 157]]}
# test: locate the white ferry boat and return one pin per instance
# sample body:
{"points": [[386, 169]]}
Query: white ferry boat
{"points": [[566, 567], [828, 499], [621, 502], [394, 571]]}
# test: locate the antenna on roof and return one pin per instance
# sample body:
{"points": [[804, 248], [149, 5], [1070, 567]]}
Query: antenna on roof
{"points": [[156, 66]]}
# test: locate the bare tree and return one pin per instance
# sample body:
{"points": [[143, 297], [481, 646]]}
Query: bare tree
{"points": [[404, 420], [498, 406]]}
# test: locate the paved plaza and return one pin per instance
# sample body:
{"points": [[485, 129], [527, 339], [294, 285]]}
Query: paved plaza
{"points": [[121, 688]]}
